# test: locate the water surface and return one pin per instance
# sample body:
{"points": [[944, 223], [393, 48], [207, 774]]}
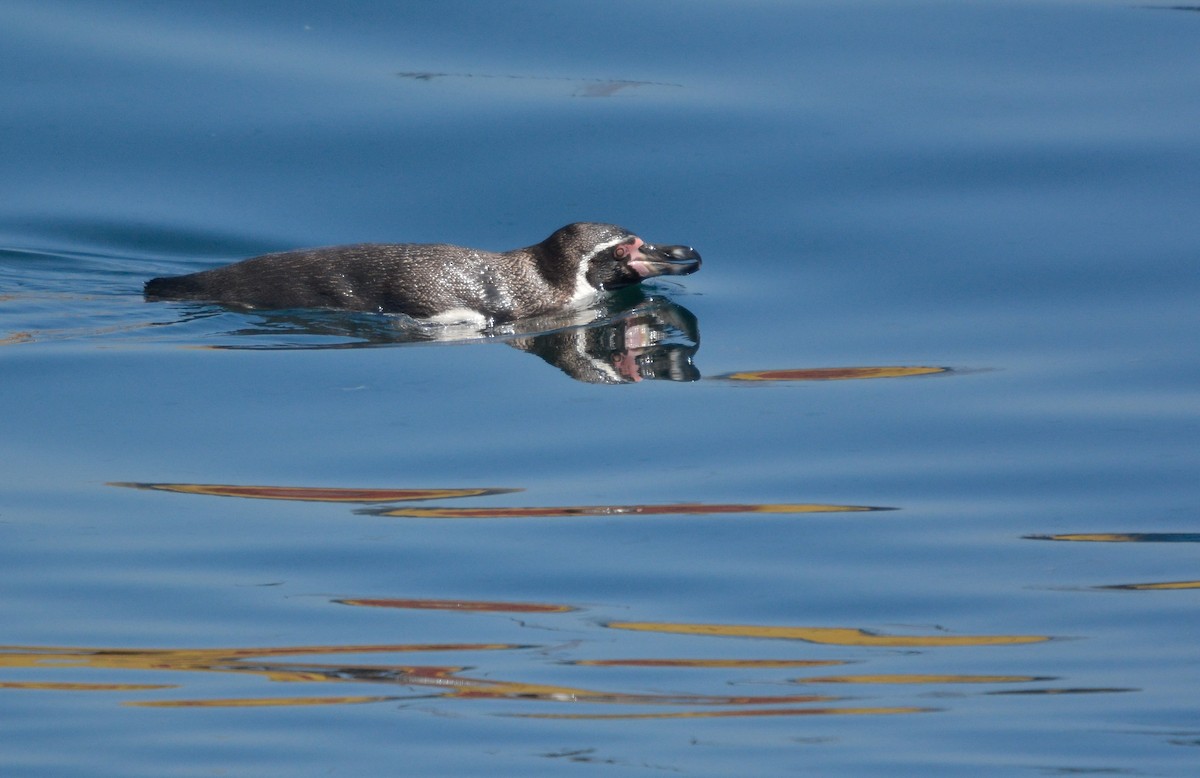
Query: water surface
{"points": [[921, 499]]}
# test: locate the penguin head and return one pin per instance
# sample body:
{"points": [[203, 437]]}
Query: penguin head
{"points": [[608, 257]]}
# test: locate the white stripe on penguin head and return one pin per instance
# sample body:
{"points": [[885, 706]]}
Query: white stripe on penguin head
{"points": [[583, 289]]}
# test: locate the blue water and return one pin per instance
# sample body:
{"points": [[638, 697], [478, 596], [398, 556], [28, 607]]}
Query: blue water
{"points": [[1005, 190]]}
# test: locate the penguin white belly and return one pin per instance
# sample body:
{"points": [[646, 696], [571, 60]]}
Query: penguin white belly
{"points": [[460, 316]]}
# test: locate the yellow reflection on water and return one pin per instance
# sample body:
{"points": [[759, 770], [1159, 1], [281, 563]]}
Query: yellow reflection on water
{"points": [[922, 679], [832, 373], [840, 636], [459, 605], [691, 509], [205, 659], [1165, 585], [433, 681], [713, 714], [1123, 537], [16, 337], [85, 687], [259, 702], [709, 663], [314, 493]]}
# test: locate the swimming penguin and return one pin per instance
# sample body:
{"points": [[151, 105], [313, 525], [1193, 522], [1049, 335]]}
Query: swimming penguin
{"points": [[436, 281]]}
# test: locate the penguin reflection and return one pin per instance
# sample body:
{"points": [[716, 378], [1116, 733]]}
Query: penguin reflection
{"points": [[623, 338], [655, 340]]}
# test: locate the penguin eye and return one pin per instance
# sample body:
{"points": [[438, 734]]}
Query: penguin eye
{"points": [[626, 249]]}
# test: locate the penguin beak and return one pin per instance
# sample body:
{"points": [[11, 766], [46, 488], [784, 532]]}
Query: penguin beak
{"points": [[665, 261]]}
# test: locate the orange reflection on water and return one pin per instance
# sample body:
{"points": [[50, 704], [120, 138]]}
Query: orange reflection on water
{"points": [[496, 691], [754, 664], [1165, 585], [713, 714], [1054, 692], [491, 689], [460, 605], [434, 681], [458, 687], [16, 337], [686, 509], [85, 687], [922, 679], [840, 636], [258, 702], [1124, 537], [833, 373], [315, 493], [214, 659]]}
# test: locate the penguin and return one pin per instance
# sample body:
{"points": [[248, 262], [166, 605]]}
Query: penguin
{"points": [[439, 282]]}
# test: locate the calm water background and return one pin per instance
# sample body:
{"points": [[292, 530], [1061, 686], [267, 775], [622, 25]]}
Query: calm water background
{"points": [[1006, 189]]}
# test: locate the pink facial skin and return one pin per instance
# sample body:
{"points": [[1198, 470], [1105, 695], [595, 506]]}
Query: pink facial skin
{"points": [[647, 260], [630, 251], [626, 364], [638, 340]]}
